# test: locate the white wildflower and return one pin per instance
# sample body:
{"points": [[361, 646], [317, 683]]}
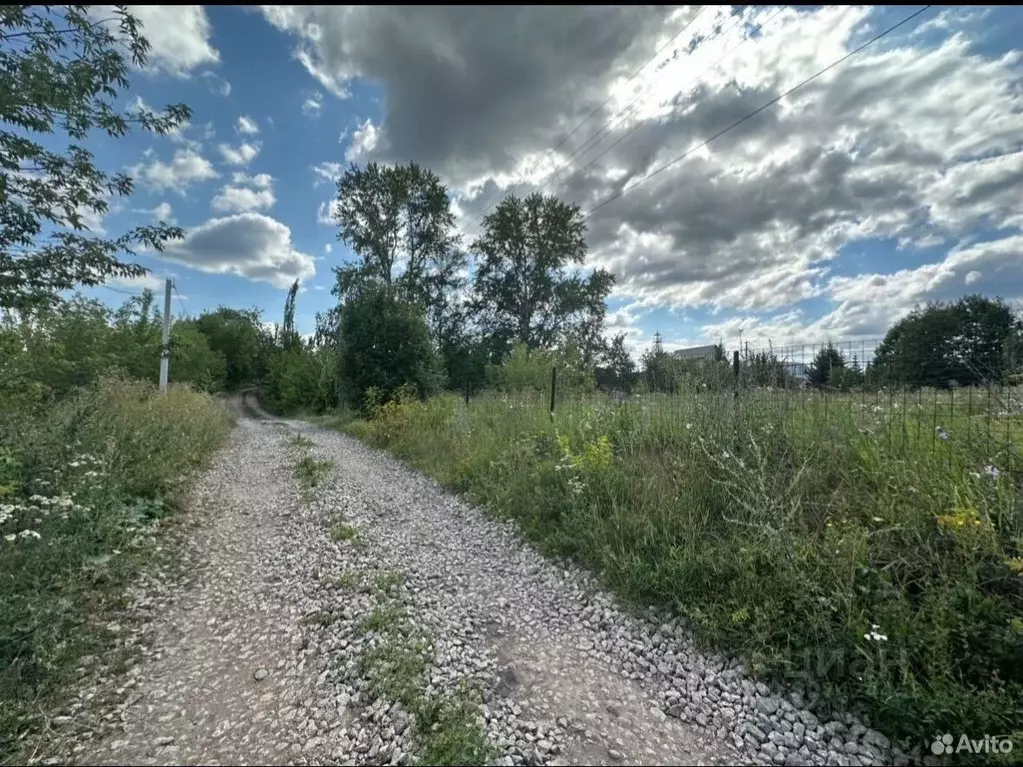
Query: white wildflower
{"points": [[992, 471], [874, 634]]}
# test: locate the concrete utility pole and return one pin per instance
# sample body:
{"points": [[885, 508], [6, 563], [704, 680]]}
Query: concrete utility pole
{"points": [[165, 353]]}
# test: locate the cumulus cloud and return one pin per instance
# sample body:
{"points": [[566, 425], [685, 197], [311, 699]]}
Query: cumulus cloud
{"points": [[179, 36], [325, 213], [185, 168], [246, 125], [243, 154], [164, 212], [916, 140], [249, 245], [365, 139], [245, 193]]}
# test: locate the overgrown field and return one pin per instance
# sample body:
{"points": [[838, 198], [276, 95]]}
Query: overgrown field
{"points": [[85, 484], [869, 552]]}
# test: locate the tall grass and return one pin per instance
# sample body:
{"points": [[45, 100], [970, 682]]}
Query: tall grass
{"points": [[84, 486], [870, 556]]}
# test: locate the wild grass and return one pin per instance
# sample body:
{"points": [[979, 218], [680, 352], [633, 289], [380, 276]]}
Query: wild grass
{"points": [[85, 485], [867, 549]]}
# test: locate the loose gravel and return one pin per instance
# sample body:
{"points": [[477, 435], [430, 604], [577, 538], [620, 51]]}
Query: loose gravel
{"points": [[255, 657]]}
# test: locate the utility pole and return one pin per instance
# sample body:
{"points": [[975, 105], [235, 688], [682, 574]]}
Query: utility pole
{"points": [[165, 352]]}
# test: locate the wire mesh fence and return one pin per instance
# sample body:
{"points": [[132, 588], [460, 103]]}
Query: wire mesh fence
{"points": [[964, 415]]}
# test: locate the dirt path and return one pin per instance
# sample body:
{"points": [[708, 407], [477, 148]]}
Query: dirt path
{"points": [[261, 658]]}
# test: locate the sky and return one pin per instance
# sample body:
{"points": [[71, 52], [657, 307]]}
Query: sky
{"points": [[892, 179]]}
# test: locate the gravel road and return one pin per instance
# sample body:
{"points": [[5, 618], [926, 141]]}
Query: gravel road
{"points": [[258, 654]]}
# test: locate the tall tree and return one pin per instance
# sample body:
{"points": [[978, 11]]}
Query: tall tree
{"points": [[524, 289], [965, 341], [61, 71], [398, 221], [619, 363], [239, 336], [289, 336], [826, 362]]}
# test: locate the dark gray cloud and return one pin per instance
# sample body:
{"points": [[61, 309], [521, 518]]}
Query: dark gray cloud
{"points": [[908, 139]]}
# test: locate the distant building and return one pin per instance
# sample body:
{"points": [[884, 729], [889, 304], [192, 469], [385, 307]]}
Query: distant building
{"points": [[797, 370], [696, 353]]}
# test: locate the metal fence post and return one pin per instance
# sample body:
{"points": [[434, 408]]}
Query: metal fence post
{"points": [[554, 386], [735, 370]]}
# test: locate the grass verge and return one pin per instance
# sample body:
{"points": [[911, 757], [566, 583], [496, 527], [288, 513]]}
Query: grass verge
{"points": [[85, 486], [871, 557]]}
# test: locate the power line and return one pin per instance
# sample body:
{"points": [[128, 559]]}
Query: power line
{"points": [[631, 78], [639, 125], [608, 99], [597, 137], [757, 111]]}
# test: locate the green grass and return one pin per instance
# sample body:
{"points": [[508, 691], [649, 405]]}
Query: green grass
{"points": [[782, 525], [310, 473], [446, 729], [341, 531], [96, 475]]}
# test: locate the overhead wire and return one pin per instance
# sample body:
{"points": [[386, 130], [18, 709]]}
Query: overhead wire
{"points": [[757, 111], [606, 101]]}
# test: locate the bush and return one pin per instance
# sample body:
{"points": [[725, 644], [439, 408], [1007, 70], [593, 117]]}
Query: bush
{"points": [[385, 344], [84, 485]]}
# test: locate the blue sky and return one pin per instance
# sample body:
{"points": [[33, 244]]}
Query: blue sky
{"points": [[891, 180]]}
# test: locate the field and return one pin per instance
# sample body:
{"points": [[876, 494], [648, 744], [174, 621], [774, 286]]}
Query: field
{"points": [[867, 548]]}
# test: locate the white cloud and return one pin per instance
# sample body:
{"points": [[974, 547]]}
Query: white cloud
{"points": [[179, 36], [187, 167], [326, 211], [233, 199], [249, 245], [917, 140], [329, 172], [328, 248], [163, 212], [245, 193], [146, 281], [242, 155], [364, 140], [217, 84], [313, 104], [247, 125]]}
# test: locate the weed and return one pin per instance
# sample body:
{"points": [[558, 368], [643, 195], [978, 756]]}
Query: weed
{"points": [[446, 728], [340, 531], [310, 472], [388, 580], [300, 441], [348, 580]]}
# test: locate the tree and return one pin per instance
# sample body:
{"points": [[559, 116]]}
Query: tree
{"points": [[826, 363], [60, 73], [239, 336], [523, 289], [289, 337], [965, 342], [385, 344], [618, 363], [399, 218]]}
